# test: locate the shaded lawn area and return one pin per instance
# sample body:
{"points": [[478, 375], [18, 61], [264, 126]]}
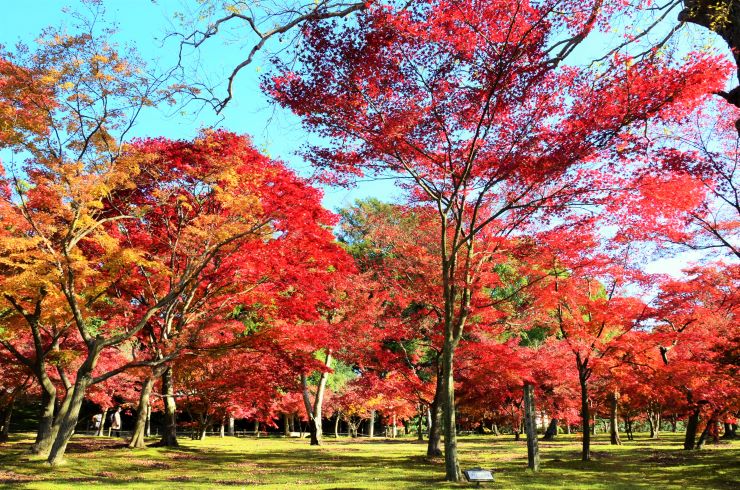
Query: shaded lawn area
{"points": [[365, 463]]}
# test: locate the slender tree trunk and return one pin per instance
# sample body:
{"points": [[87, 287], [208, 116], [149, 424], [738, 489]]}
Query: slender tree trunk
{"points": [[614, 419], [691, 426], [138, 437], [567, 428], [169, 430], [434, 449], [103, 418], [452, 467], [552, 430], [654, 422], [5, 422], [494, 429], [703, 436], [222, 429], [336, 426], [533, 450], [711, 424], [674, 423], [371, 424], [420, 426], [148, 425], [585, 418], [231, 425], [286, 423]]}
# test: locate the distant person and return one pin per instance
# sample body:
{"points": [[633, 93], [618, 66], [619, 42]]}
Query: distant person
{"points": [[97, 420], [115, 424]]}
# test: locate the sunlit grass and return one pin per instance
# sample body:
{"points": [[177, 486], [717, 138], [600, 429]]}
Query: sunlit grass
{"points": [[364, 463]]}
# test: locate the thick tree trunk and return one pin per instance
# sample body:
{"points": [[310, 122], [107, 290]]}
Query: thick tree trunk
{"points": [[138, 438], [709, 14], [44, 434], [314, 413], [530, 423], [567, 428], [169, 429], [552, 430], [434, 449], [691, 426], [730, 431], [231, 425], [286, 423], [256, 428], [69, 421], [452, 467], [585, 418], [314, 432], [674, 423], [614, 419], [494, 429], [61, 414]]}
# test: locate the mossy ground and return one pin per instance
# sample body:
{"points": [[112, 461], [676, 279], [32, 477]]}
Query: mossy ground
{"points": [[365, 463]]}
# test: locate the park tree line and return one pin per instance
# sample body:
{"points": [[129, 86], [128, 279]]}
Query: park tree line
{"points": [[204, 278]]}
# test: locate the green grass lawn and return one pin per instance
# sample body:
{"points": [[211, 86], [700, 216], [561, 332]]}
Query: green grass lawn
{"points": [[365, 463]]}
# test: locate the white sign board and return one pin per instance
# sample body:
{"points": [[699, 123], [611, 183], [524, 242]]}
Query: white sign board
{"points": [[479, 475]]}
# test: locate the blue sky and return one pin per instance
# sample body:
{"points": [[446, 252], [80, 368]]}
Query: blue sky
{"points": [[144, 25]]}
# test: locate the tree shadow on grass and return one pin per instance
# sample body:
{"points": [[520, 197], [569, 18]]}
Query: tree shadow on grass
{"points": [[379, 463], [90, 444]]}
